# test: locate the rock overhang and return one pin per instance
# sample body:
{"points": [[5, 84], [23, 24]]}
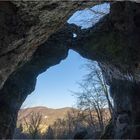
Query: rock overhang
{"points": [[113, 42]]}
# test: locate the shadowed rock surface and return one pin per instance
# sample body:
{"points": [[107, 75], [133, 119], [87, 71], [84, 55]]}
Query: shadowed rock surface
{"points": [[34, 38], [25, 25]]}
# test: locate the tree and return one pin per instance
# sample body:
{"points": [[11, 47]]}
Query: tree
{"points": [[66, 128], [94, 96], [50, 133], [33, 124], [95, 78]]}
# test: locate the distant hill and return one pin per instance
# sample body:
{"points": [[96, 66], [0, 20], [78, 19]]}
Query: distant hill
{"points": [[49, 115]]}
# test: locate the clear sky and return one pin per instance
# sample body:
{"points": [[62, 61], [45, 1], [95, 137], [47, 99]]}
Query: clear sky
{"points": [[53, 86]]}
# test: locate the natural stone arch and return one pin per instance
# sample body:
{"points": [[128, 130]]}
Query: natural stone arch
{"points": [[106, 43], [25, 25]]}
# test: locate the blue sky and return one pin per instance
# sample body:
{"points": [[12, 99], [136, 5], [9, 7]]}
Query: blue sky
{"points": [[53, 86], [87, 18]]}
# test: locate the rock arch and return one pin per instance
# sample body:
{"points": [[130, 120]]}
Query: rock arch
{"points": [[113, 42]]}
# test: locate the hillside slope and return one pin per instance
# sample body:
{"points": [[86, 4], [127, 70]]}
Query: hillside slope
{"points": [[49, 115]]}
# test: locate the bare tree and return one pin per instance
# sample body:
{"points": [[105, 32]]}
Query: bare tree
{"points": [[33, 124], [50, 133], [92, 101], [95, 78], [67, 127], [94, 96]]}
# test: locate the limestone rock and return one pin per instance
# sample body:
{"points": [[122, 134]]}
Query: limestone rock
{"points": [[25, 25], [34, 38]]}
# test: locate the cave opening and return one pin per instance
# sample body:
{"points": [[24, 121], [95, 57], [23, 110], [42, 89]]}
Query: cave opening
{"points": [[84, 19], [55, 104], [49, 95], [27, 50]]}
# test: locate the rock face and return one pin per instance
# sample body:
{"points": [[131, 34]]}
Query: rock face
{"points": [[114, 44], [24, 26], [34, 38]]}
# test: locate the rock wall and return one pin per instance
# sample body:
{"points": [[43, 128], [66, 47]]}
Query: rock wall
{"points": [[114, 44], [22, 82], [25, 25], [34, 38]]}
